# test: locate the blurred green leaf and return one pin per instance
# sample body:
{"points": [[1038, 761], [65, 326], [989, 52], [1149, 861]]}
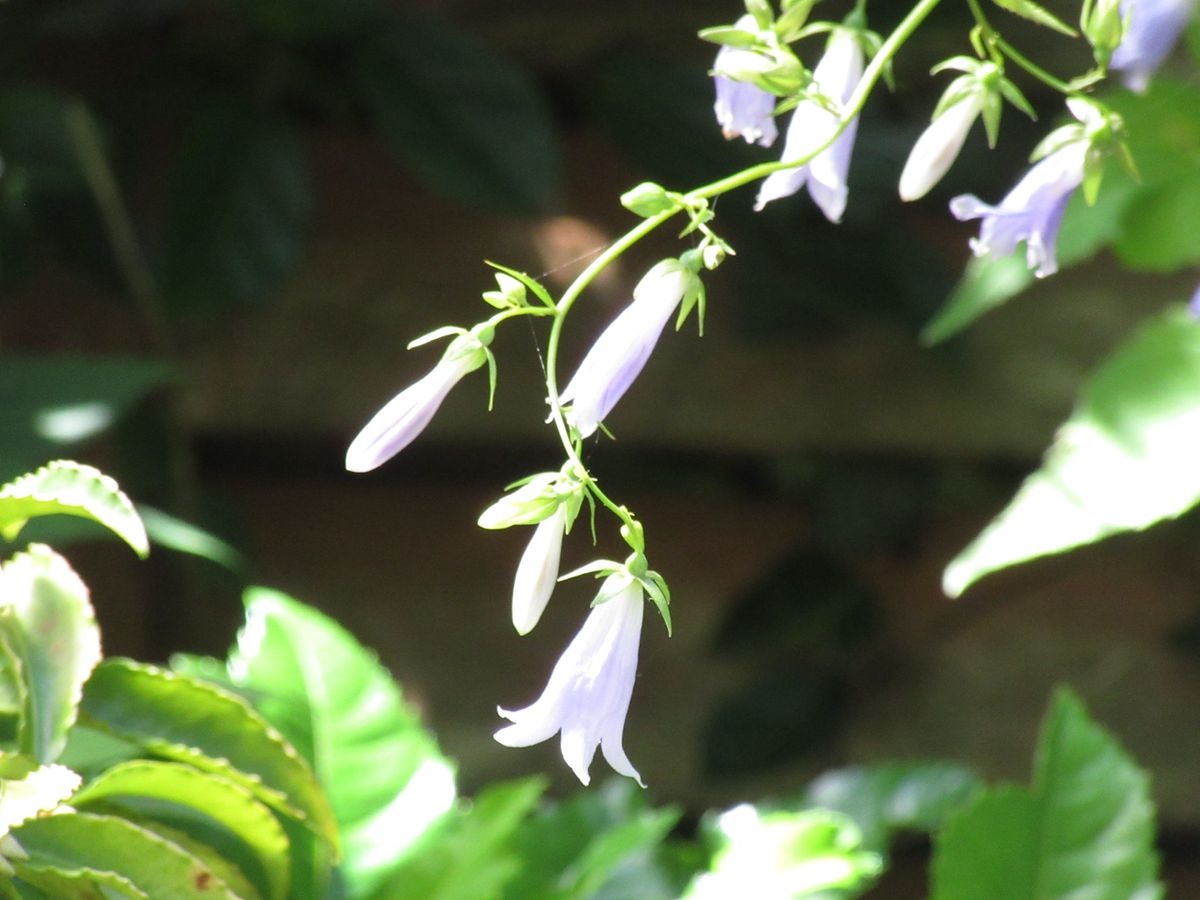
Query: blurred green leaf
{"points": [[155, 866], [464, 120], [1086, 828], [885, 798], [194, 801], [1124, 460], [383, 772], [51, 402], [177, 718], [68, 488], [166, 530], [471, 853], [49, 628], [784, 854], [573, 849], [1161, 226], [238, 212]]}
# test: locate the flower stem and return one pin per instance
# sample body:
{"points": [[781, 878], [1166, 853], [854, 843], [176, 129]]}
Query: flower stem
{"points": [[997, 44], [871, 75]]}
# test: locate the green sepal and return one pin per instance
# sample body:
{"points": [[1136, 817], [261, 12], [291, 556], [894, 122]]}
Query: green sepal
{"points": [[1014, 96], [533, 501], [762, 12], [791, 21], [656, 586], [511, 293], [729, 36], [993, 107], [436, 335], [1056, 140], [597, 567], [529, 282], [1037, 14]]}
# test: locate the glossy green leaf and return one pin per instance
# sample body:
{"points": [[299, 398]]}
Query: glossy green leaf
{"points": [[28, 789], [783, 854], [68, 488], [56, 401], [225, 869], [573, 848], [182, 796], [176, 717], [1086, 829], [471, 853], [895, 796], [331, 698], [1124, 460], [174, 533], [49, 628], [155, 866], [464, 120], [239, 210]]}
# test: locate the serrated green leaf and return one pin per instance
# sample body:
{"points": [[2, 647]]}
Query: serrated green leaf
{"points": [[329, 695], [176, 717], [191, 800], [888, 797], [69, 488], [1086, 829], [49, 628], [471, 853], [28, 789], [462, 119], [1034, 12], [153, 865], [210, 856], [239, 209], [1124, 460], [76, 883]]}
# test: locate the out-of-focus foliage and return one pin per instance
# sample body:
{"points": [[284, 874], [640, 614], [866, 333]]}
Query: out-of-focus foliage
{"points": [[1084, 828], [1124, 460]]}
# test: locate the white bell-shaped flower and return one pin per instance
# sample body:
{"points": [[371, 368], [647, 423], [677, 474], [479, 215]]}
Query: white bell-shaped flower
{"points": [[587, 697], [537, 572], [938, 146]]}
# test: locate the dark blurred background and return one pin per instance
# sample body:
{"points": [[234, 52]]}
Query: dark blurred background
{"points": [[221, 222]]}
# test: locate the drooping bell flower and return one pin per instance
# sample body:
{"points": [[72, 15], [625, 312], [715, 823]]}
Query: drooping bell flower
{"points": [[405, 416], [1152, 30], [835, 77], [1031, 212], [743, 109], [620, 352], [587, 697], [938, 147], [537, 572], [1194, 306]]}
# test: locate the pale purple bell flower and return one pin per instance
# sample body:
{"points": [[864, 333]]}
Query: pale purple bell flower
{"points": [[619, 354], [1154, 28], [744, 110], [587, 697], [537, 572], [835, 77], [405, 416], [1031, 212], [1194, 306]]}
